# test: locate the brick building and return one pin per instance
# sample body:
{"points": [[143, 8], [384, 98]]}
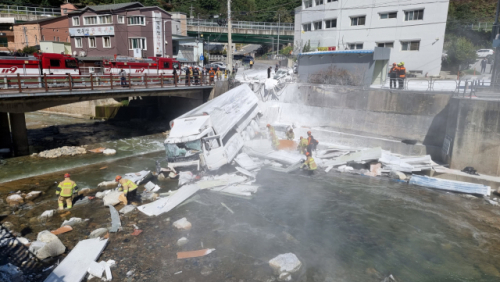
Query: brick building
{"points": [[32, 32], [118, 29]]}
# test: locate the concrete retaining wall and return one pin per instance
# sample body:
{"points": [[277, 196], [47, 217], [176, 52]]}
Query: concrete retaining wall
{"points": [[81, 109]]}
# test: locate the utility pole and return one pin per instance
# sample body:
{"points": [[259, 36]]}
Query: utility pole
{"points": [[494, 32], [25, 36], [191, 12], [229, 39], [279, 23]]}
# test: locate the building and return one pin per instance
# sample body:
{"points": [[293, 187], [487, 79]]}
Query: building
{"points": [[55, 47], [120, 29], [7, 34], [32, 32], [414, 31], [179, 23]]}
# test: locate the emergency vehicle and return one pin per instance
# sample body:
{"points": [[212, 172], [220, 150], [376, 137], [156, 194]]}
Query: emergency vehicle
{"points": [[39, 64], [152, 65]]}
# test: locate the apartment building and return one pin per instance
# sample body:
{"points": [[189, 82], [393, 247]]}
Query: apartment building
{"points": [[32, 32], [119, 29], [414, 30]]}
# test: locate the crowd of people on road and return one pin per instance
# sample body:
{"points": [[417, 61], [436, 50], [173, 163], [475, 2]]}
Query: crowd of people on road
{"points": [[397, 73]]}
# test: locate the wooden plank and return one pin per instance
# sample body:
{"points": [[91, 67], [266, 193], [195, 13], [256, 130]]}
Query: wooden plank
{"points": [[194, 254], [61, 230], [74, 267]]}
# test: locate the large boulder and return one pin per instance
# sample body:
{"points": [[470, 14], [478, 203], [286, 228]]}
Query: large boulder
{"points": [[47, 245], [114, 198], [285, 263], [14, 200], [32, 195]]}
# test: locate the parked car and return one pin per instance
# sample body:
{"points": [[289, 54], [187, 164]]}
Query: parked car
{"points": [[247, 60], [238, 57], [215, 66], [220, 64], [483, 53]]}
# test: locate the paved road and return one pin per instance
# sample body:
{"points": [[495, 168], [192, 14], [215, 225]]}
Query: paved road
{"points": [[248, 49]]}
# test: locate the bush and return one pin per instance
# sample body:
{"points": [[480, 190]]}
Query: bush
{"points": [[336, 76]]}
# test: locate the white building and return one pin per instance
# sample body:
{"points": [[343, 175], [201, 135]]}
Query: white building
{"points": [[413, 29]]}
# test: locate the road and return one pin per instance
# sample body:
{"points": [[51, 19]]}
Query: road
{"points": [[248, 49]]}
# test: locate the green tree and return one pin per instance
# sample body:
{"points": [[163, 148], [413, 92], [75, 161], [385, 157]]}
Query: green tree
{"points": [[283, 15], [460, 53], [29, 50], [307, 47], [286, 50]]}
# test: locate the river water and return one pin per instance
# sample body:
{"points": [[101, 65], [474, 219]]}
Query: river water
{"points": [[341, 227]]}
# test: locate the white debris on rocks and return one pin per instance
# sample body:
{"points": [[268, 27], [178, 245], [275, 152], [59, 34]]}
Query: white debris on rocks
{"points": [[107, 184], [63, 151], [47, 245], [126, 209], [112, 198], [32, 195], [101, 194], [72, 221], [182, 224], [14, 200], [182, 241], [285, 263], [108, 152], [98, 233]]}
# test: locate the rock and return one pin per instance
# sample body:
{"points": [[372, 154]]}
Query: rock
{"points": [[72, 221], [397, 175], [161, 177], [182, 241], [107, 184], [126, 209], [205, 271], [35, 246], [98, 233], [108, 152], [23, 240], [285, 263], [130, 273], [492, 202], [182, 224], [47, 245], [84, 200], [63, 151], [84, 191], [34, 155], [14, 200], [8, 225], [285, 276], [101, 195], [32, 195], [111, 263], [45, 236], [345, 168], [112, 198]]}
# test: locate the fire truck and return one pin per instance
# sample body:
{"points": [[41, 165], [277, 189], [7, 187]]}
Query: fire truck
{"points": [[152, 65], [39, 64]]}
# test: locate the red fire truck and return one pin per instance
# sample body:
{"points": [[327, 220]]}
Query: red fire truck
{"points": [[39, 64], [152, 65]]}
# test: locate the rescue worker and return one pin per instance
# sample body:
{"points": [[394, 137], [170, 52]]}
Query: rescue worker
{"points": [[269, 72], [402, 75], [128, 187], [310, 164], [311, 142], [274, 139], [65, 191], [196, 73], [251, 63], [290, 135], [393, 75], [123, 78], [302, 147], [211, 74], [225, 74], [219, 73]]}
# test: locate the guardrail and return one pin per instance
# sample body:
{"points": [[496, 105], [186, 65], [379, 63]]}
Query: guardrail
{"points": [[34, 83], [244, 25], [24, 10]]}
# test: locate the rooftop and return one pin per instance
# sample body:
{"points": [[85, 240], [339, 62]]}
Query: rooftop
{"points": [[108, 7], [41, 20]]}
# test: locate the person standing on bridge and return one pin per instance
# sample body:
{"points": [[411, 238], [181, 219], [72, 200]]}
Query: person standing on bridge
{"points": [[211, 74], [269, 72], [123, 78], [65, 191], [196, 73], [219, 74], [393, 74], [402, 75], [483, 65]]}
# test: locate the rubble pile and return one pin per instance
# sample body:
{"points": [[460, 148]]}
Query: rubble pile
{"points": [[63, 151]]}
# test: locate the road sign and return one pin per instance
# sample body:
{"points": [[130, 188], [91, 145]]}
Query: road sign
{"points": [[202, 58]]}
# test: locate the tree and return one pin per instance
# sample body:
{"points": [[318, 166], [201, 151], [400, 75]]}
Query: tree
{"points": [[460, 53], [286, 50], [283, 15], [307, 47], [29, 50]]}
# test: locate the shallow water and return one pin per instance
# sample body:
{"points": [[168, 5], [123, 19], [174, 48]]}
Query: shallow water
{"points": [[341, 227]]}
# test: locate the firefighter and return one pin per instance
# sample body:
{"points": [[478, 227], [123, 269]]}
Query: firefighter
{"points": [[310, 164], [402, 75], [219, 73], [211, 74], [128, 187], [311, 142], [196, 73], [393, 75], [302, 147], [274, 139], [65, 191], [290, 135], [251, 63]]}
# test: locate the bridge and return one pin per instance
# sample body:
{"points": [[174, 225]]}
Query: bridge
{"points": [[242, 31], [21, 94], [24, 13]]}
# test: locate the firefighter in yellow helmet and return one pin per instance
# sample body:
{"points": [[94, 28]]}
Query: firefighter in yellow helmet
{"points": [[290, 135], [309, 163], [128, 187], [302, 147], [274, 139], [65, 191]]}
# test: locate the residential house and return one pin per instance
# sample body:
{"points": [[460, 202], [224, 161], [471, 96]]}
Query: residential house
{"points": [[32, 32]]}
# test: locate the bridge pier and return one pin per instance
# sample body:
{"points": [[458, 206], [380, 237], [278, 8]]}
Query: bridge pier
{"points": [[19, 134], [5, 140]]}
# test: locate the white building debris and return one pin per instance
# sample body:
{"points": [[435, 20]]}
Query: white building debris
{"points": [[182, 224], [450, 185], [285, 263]]}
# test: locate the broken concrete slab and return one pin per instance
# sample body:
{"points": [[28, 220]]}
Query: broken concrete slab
{"points": [[285, 263], [262, 149], [107, 270], [450, 185], [364, 155], [108, 184], [238, 189], [245, 161], [164, 205], [46, 215], [394, 174], [32, 195], [289, 169], [72, 221], [113, 198], [96, 269], [245, 172], [138, 177], [185, 177], [151, 187], [194, 254], [74, 267], [47, 245], [126, 209], [98, 233], [115, 219], [182, 224]]}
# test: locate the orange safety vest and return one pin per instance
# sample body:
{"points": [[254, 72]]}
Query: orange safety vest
{"points": [[211, 73], [402, 72]]}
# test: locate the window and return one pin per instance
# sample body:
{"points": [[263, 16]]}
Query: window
{"points": [[65, 11], [319, 2], [137, 43], [329, 1], [306, 27], [76, 21], [355, 46], [318, 25], [415, 15], [308, 3], [58, 39], [121, 19], [71, 64], [386, 44], [136, 20], [43, 37], [410, 45], [107, 19], [358, 20], [54, 38], [90, 20], [78, 42], [166, 65], [106, 42], [391, 15], [55, 63], [92, 42], [331, 23]]}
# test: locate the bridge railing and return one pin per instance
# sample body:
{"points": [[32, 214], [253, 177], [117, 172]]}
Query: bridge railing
{"points": [[11, 10], [244, 25], [97, 82]]}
